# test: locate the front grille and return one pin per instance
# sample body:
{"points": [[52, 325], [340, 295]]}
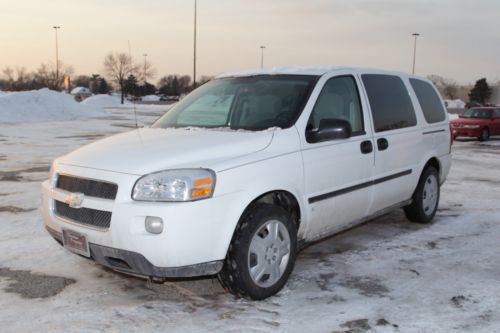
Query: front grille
{"points": [[92, 188], [93, 217]]}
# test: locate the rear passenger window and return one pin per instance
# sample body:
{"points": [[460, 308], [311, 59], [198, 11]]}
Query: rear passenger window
{"points": [[389, 101], [429, 101], [339, 99]]}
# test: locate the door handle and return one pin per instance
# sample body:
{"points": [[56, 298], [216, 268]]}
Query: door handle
{"points": [[366, 147], [382, 144]]}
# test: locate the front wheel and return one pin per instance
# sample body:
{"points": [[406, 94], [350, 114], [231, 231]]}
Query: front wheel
{"points": [[262, 253], [485, 135], [425, 200]]}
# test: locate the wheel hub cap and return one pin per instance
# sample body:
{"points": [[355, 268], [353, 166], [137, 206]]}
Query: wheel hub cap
{"points": [[430, 194], [269, 253]]}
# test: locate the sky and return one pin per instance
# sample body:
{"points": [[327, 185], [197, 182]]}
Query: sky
{"points": [[460, 39]]}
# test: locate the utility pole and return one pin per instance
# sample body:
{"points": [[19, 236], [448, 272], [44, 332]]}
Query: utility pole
{"points": [[262, 56], [56, 27], [194, 57], [145, 56], [415, 35]]}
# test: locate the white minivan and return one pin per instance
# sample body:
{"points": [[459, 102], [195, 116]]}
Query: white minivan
{"points": [[247, 169]]}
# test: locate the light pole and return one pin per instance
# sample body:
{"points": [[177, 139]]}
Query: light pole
{"points": [[56, 27], [194, 49], [415, 35], [145, 56], [262, 56]]}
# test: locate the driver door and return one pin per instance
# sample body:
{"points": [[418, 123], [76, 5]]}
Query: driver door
{"points": [[338, 173]]}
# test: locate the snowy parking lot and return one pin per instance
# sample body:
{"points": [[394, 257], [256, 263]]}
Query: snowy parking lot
{"points": [[388, 275]]}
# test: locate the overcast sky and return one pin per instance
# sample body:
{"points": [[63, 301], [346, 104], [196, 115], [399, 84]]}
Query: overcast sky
{"points": [[460, 39]]}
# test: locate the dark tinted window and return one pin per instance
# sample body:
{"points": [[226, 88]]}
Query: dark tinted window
{"points": [[389, 101], [496, 113], [339, 99], [429, 101]]}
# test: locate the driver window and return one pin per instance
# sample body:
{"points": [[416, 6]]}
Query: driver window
{"points": [[339, 99]]}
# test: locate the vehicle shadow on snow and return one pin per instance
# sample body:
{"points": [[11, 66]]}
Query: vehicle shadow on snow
{"points": [[206, 291]]}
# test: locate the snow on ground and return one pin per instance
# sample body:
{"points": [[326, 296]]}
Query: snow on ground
{"points": [[388, 275], [43, 105]]}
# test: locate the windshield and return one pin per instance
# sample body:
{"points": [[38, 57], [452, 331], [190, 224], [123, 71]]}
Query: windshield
{"points": [[477, 113], [251, 103]]}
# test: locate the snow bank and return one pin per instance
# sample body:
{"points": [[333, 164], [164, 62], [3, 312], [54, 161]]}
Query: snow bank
{"points": [[455, 104], [150, 98], [43, 105], [104, 101]]}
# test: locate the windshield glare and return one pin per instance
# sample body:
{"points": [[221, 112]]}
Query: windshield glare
{"points": [[477, 113], [250, 103]]}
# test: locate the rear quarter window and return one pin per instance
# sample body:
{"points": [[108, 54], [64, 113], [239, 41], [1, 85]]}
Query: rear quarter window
{"points": [[429, 101], [390, 102]]}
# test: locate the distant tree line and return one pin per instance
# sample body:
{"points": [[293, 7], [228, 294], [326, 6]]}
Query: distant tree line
{"points": [[131, 78], [120, 73]]}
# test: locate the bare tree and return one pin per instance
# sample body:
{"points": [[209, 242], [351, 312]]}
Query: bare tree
{"points": [[118, 67], [447, 87], [48, 76]]}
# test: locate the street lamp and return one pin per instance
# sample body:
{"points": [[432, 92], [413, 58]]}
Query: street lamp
{"points": [[194, 49], [56, 27], [415, 35], [262, 56]]}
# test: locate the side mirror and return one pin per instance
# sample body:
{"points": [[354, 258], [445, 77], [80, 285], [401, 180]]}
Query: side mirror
{"points": [[330, 129]]}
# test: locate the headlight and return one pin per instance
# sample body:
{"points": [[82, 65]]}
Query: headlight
{"points": [[175, 185], [471, 126]]}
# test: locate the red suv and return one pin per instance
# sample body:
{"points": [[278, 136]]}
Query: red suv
{"points": [[480, 122]]}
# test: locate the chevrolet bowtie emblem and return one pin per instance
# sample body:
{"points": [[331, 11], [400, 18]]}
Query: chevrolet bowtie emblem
{"points": [[74, 200]]}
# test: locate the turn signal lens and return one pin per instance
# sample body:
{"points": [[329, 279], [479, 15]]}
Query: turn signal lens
{"points": [[201, 182], [201, 192]]}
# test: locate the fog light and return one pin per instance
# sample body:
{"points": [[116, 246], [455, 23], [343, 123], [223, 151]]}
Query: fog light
{"points": [[154, 224]]}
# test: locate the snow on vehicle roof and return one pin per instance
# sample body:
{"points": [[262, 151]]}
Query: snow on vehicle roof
{"points": [[320, 70]]}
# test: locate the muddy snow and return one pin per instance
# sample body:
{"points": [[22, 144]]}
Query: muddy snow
{"points": [[387, 275]]}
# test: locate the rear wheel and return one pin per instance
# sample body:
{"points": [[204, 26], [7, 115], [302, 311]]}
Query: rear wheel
{"points": [[485, 135], [425, 200], [262, 253]]}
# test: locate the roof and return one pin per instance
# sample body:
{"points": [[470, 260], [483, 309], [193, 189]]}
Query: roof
{"points": [[81, 90], [320, 70]]}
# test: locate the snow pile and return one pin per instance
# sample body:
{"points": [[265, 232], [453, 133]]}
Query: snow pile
{"points": [[455, 103], [151, 98], [43, 105], [104, 101]]}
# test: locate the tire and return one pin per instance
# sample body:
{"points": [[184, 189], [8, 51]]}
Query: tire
{"points": [[425, 199], [485, 135], [257, 267]]}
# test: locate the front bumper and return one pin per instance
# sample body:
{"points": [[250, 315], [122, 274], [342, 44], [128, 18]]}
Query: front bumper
{"points": [[469, 132], [194, 240], [135, 263]]}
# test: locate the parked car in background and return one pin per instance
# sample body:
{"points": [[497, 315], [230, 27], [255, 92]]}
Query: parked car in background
{"points": [[479, 122], [81, 93], [248, 168]]}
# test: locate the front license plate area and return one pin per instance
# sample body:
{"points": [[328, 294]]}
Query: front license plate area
{"points": [[76, 242]]}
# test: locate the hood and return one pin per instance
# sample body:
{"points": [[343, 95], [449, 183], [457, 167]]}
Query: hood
{"points": [[469, 121], [146, 150]]}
